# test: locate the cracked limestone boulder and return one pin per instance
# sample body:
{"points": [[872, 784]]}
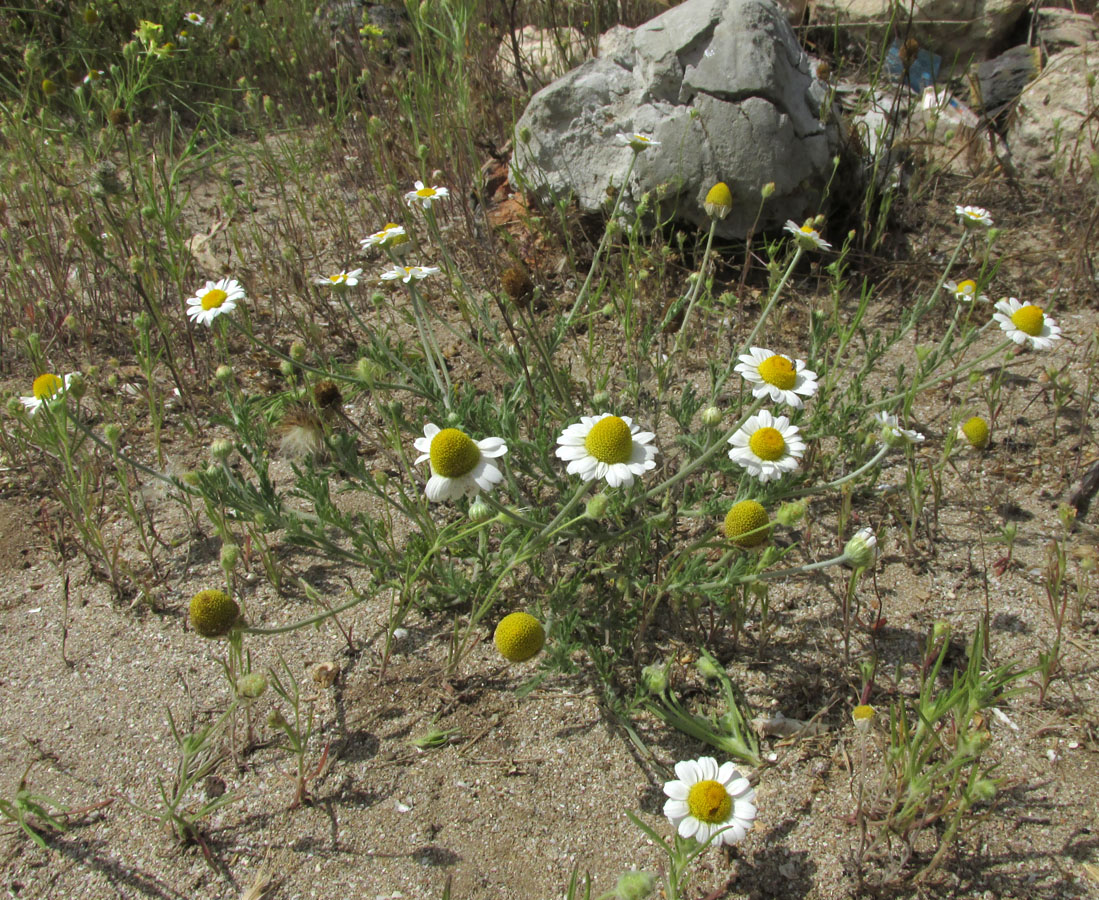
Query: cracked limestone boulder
{"points": [[727, 91]]}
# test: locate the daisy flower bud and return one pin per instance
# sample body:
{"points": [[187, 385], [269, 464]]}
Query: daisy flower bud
{"points": [[711, 416], [655, 678], [707, 668], [789, 514], [252, 685], [861, 550], [224, 374], [863, 717], [975, 431], [719, 201], [230, 555], [596, 507], [479, 511], [220, 449], [634, 885]]}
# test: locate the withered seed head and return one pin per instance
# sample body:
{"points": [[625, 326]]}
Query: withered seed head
{"points": [[327, 394], [517, 285]]}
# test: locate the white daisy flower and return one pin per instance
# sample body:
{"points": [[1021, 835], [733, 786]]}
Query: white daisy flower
{"points": [[706, 799], [46, 387], [194, 18], [93, 76], [216, 298], [1027, 324], [390, 236], [459, 465], [807, 236], [343, 279], [973, 216], [408, 273], [767, 446], [965, 291], [425, 196], [776, 376], [892, 433], [636, 142], [607, 446]]}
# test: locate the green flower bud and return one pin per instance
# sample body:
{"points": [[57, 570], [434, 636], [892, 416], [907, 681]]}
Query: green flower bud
{"points": [[596, 507], [479, 511], [230, 555], [113, 433], [708, 668], [635, 885], [655, 678], [861, 550], [224, 374], [789, 514], [711, 416], [252, 685], [983, 790], [220, 449], [767, 190]]}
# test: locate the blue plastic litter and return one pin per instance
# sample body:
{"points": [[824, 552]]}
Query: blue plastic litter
{"points": [[923, 71]]}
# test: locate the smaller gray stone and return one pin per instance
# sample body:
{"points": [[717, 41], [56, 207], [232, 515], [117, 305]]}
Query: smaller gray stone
{"points": [[1054, 129]]}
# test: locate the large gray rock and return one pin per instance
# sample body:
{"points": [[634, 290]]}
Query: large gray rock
{"points": [[724, 87]]}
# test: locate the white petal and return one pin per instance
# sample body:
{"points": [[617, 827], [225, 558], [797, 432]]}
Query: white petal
{"points": [[676, 810], [744, 811], [492, 447], [687, 772], [439, 488], [677, 790], [739, 787], [708, 767], [566, 452], [727, 773], [688, 827]]}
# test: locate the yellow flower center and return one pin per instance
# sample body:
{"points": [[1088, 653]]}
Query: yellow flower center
{"points": [[213, 299], [426, 192], [862, 712], [779, 371], [809, 230], [1029, 320], [967, 288], [746, 524], [337, 279], [976, 432], [768, 443], [610, 441], [453, 453], [709, 802], [45, 386], [519, 636], [720, 195]]}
